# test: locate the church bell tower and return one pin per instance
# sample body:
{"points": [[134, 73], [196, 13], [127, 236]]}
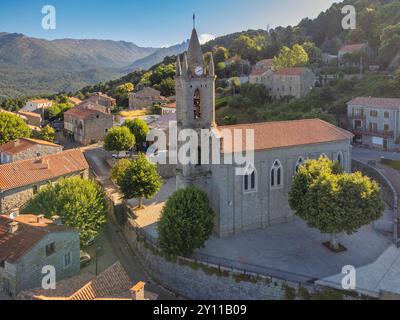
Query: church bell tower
{"points": [[195, 107]]}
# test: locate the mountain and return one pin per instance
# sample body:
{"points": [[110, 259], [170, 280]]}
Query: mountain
{"points": [[157, 57], [31, 66]]}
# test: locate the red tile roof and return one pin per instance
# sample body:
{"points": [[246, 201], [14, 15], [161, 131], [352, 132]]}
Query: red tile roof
{"points": [[171, 105], [384, 103], [27, 172], [259, 72], [22, 144], [74, 100], [81, 112], [296, 71], [13, 246], [350, 48], [286, 134]]}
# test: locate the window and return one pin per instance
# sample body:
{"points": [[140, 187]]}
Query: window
{"points": [[97, 116], [340, 158], [67, 260], [35, 189], [276, 175], [357, 124], [299, 163], [197, 105], [373, 127], [387, 115], [250, 180], [386, 128], [373, 113], [50, 249], [38, 154]]}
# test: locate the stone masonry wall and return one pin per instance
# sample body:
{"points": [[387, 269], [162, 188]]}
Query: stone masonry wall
{"points": [[36, 152]]}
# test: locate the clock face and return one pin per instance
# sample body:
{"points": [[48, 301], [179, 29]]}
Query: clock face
{"points": [[198, 71]]}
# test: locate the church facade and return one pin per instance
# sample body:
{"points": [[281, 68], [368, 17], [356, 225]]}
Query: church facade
{"points": [[259, 198]]}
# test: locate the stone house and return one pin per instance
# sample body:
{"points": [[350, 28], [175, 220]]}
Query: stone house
{"points": [[87, 124], [350, 49], [265, 64], [168, 108], [145, 98], [262, 76], [20, 181], [33, 105], [103, 100], [32, 118], [375, 122], [25, 148], [295, 82], [112, 284], [29, 243]]}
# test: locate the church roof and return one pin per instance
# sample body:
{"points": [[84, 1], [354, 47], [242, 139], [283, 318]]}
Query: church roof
{"points": [[195, 54], [287, 134]]}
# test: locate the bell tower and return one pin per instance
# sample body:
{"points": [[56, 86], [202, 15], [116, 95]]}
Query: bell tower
{"points": [[195, 106]]}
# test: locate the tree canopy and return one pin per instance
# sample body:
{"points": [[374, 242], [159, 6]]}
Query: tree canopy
{"points": [[119, 139], [294, 57], [12, 127], [186, 222], [139, 129], [80, 204], [48, 134]]}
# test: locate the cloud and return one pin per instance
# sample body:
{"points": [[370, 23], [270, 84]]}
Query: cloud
{"points": [[205, 37]]}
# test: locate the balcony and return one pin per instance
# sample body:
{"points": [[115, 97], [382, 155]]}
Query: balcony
{"points": [[358, 116]]}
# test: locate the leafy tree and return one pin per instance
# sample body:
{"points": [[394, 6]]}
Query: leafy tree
{"points": [[314, 53], [80, 203], [119, 139], [333, 201], [145, 80], [390, 44], [186, 222], [12, 127], [139, 129], [48, 134], [220, 54], [125, 88], [287, 58], [167, 87], [140, 180], [162, 72], [119, 169], [246, 47]]}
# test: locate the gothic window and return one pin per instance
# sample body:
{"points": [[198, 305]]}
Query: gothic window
{"points": [[340, 158], [299, 163], [276, 175], [250, 180], [197, 105]]}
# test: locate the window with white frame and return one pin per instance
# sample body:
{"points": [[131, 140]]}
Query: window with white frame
{"points": [[299, 163], [67, 260], [250, 180], [276, 175]]}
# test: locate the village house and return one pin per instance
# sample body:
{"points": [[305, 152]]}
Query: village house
{"points": [[32, 118], [375, 122], [262, 76], [87, 124], [145, 98], [38, 104], [295, 82], [103, 100], [168, 108], [74, 101], [29, 243], [265, 64], [25, 148], [112, 284], [352, 49], [20, 181]]}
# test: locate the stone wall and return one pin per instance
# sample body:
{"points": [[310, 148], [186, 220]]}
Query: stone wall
{"points": [[36, 152]]}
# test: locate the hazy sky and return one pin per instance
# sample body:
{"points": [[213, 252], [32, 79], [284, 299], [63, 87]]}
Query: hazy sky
{"points": [[153, 22]]}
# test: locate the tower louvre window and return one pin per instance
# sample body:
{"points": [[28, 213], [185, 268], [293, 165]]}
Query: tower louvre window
{"points": [[197, 105]]}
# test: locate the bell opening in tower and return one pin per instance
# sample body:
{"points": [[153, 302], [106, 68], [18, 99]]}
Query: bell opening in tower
{"points": [[197, 105]]}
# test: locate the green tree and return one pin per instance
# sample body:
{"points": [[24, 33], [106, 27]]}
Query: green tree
{"points": [[12, 127], [314, 53], [48, 134], [167, 87], [220, 54], [119, 139], [118, 171], [125, 88], [80, 203], [140, 180], [246, 47], [139, 129], [287, 58], [333, 201], [186, 222], [162, 72]]}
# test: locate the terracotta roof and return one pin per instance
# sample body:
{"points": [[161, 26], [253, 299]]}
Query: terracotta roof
{"points": [[22, 144], [27, 172], [171, 105], [296, 71], [286, 134], [14, 245], [83, 112], [31, 114], [349, 48], [259, 72], [112, 284], [74, 100], [384, 103], [40, 101]]}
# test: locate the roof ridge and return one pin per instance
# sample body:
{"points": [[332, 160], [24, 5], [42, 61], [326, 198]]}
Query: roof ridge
{"points": [[269, 122]]}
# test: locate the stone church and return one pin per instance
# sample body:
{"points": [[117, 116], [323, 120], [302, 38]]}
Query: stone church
{"points": [[260, 198]]}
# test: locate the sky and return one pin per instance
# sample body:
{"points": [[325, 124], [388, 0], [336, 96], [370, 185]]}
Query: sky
{"points": [[153, 23]]}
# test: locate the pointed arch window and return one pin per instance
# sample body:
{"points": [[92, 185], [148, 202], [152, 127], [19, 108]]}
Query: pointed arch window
{"points": [[299, 163], [276, 175], [250, 180], [197, 104]]}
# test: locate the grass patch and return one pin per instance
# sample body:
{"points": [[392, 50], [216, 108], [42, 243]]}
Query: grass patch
{"points": [[134, 113], [391, 163]]}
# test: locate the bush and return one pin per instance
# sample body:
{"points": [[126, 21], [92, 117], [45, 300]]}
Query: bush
{"points": [[186, 222]]}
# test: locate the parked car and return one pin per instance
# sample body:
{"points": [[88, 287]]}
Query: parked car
{"points": [[85, 259], [122, 155]]}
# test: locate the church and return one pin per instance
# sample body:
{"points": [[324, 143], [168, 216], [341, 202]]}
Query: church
{"points": [[258, 199]]}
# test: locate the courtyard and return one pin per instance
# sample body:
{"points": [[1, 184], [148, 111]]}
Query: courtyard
{"points": [[292, 251]]}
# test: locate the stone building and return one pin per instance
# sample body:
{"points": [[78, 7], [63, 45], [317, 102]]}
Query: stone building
{"points": [[25, 148], [103, 100], [361, 49], [20, 181], [87, 125], [32, 118], [145, 98], [375, 122], [112, 284], [33, 105], [29, 243], [295, 82], [259, 197], [262, 76], [168, 108]]}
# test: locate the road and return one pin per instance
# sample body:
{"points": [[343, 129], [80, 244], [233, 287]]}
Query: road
{"points": [[365, 155]]}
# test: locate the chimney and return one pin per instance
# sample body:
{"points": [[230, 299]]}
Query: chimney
{"points": [[13, 227], [137, 291], [56, 220], [40, 218]]}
